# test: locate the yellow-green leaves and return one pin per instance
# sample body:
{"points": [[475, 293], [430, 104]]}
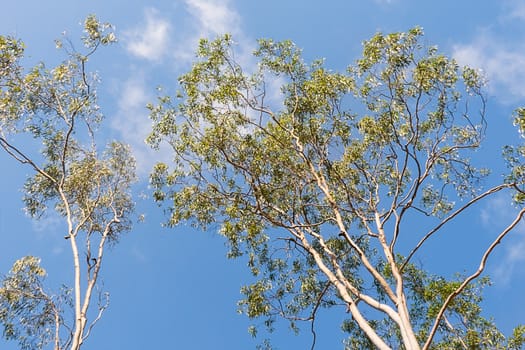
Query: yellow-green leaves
{"points": [[97, 32], [26, 311], [316, 174], [515, 156], [11, 50], [394, 49], [474, 80], [90, 189], [282, 57], [435, 71], [519, 120], [256, 304], [60, 73], [28, 265]]}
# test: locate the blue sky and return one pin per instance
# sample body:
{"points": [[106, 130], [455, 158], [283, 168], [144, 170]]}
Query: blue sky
{"points": [[174, 289]]}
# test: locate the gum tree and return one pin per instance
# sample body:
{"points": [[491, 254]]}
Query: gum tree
{"points": [[87, 186], [326, 187]]}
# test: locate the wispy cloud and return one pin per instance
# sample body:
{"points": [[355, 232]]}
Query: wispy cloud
{"points": [[503, 64], [514, 9], [214, 16], [150, 39], [206, 19], [496, 215], [170, 45], [132, 120], [51, 228], [171, 48], [499, 52], [510, 266], [156, 36]]}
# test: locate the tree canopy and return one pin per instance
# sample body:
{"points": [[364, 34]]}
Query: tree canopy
{"points": [[325, 182], [87, 186]]}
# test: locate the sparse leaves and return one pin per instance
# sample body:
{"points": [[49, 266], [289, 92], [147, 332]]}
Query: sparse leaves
{"points": [[29, 314], [97, 33], [89, 188]]}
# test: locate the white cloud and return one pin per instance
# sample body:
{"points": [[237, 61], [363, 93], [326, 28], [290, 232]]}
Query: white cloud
{"points": [[132, 120], [504, 65], [494, 210], [511, 264], [206, 19], [515, 9], [133, 95], [50, 227], [214, 17], [155, 39], [495, 216], [500, 52], [150, 40], [133, 124]]}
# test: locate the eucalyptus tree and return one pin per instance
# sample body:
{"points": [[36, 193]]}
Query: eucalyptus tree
{"points": [[323, 184], [88, 186]]}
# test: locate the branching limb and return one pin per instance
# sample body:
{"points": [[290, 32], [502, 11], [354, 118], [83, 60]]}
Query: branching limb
{"points": [[473, 276], [352, 306], [314, 312], [23, 158], [103, 303], [405, 326], [450, 217]]}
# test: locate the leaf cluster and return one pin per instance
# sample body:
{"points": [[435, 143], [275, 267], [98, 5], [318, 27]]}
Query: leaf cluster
{"points": [[58, 107], [26, 311]]}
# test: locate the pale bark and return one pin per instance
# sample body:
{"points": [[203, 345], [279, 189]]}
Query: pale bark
{"points": [[341, 288], [405, 326], [472, 277]]}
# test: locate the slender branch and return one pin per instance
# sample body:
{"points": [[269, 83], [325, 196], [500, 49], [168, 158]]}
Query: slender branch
{"points": [[314, 312], [453, 330], [101, 308], [20, 156], [407, 332], [449, 218], [473, 276], [342, 289]]}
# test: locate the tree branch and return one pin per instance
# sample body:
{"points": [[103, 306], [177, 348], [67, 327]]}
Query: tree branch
{"points": [[450, 217], [470, 278]]}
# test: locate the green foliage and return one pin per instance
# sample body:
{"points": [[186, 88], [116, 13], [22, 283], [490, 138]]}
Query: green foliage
{"points": [[514, 156], [57, 106], [318, 181], [517, 340], [88, 186], [97, 33], [27, 312], [463, 325]]}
